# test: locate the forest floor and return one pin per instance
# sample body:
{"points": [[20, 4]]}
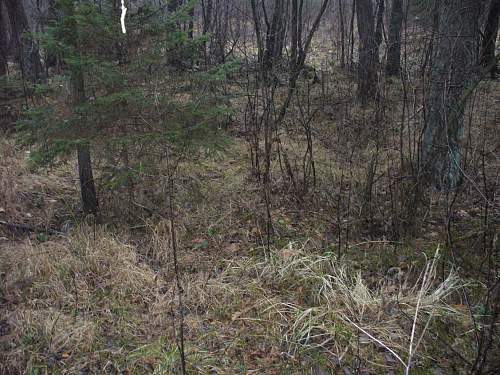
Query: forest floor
{"points": [[327, 296]]}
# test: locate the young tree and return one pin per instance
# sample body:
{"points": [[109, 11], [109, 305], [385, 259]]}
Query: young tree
{"points": [[393, 65], [451, 79], [77, 83], [368, 51]]}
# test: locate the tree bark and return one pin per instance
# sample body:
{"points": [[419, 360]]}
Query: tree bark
{"points": [[87, 187], [490, 37], [393, 66], [25, 49], [342, 34], [368, 51], [379, 29], [453, 74], [273, 54]]}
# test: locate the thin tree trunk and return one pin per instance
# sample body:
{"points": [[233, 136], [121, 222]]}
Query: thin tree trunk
{"points": [[368, 51], [351, 34], [3, 43], [342, 34], [379, 29], [393, 66], [452, 77], [207, 10], [490, 37], [87, 187], [294, 35]]}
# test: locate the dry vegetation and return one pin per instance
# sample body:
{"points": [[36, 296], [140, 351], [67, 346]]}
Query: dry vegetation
{"points": [[341, 289], [101, 298]]}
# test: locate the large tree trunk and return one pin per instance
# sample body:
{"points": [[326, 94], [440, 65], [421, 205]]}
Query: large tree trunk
{"points": [[393, 66], [368, 51], [452, 76], [490, 37], [25, 49]]}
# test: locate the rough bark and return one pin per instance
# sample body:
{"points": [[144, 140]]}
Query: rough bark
{"points": [[393, 65], [489, 39], [368, 51], [453, 74]]}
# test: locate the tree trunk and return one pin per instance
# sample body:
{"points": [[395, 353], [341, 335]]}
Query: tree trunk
{"points": [[368, 51], [207, 10], [452, 76], [379, 29], [294, 34], [393, 66], [87, 187], [3, 43], [273, 53], [490, 37], [351, 35], [25, 49], [342, 34]]}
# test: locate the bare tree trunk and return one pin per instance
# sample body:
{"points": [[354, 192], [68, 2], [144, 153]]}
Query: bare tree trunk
{"points": [[452, 76], [368, 51], [272, 55], [206, 10], [490, 37], [393, 66], [87, 186], [3, 42], [379, 29], [294, 35], [342, 34], [25, 49], [351, 35]]}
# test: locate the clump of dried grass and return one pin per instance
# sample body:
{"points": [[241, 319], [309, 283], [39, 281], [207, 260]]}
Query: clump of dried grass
{"points": [[11, 170], [327, 305], [71, 295]]}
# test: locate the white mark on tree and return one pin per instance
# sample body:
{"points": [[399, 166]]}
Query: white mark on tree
{"points": [[124, 12]]}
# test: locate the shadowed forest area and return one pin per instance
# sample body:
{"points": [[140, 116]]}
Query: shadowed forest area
{"points": [[249, 187]]}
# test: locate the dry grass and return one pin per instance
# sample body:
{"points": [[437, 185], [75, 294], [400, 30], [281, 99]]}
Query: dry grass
{"points": [[34, 198], [101, 299]]}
